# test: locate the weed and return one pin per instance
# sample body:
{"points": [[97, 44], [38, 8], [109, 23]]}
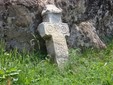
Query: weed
{"points": [[90, 68]]}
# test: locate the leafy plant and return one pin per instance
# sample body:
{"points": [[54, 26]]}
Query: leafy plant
{"points": [[92, 67], [9, 75]]}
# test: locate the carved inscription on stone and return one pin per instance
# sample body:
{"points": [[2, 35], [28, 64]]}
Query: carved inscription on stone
{"points": [[54, 33], [63, 27], [50, 29]]}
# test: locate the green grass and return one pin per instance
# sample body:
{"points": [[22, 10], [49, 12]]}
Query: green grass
{"points": [[93, 67]]}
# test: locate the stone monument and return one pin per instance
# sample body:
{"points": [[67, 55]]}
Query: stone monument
{"points": [[53, 31]]}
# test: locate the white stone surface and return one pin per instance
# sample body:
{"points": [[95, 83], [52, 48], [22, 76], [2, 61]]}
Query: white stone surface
{"points": [[51, 9], [54, 32]]}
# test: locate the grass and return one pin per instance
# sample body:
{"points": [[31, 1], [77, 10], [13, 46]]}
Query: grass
{"points": [[93, 67]]}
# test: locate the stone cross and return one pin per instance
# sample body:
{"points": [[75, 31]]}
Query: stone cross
{"points": [[53, 32]]}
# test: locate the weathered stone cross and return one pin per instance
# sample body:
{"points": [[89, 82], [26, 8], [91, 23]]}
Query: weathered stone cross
{"points": [[54, 31]]}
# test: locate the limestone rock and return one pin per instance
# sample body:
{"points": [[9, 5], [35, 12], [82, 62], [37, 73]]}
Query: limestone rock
{"points": [[17, 28], [54, 31], [97, 12], [22, 17]]}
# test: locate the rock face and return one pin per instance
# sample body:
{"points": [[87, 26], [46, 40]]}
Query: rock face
{"points": [[81, 19], [18, 24], [90, 22]]}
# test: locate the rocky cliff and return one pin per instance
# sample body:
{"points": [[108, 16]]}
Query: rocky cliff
{"points": [[90, 22]]}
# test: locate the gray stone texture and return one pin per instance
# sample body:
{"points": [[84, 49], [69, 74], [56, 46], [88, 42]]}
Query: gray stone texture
{"points": [[84, 17], [54, 31], [55, 42]]}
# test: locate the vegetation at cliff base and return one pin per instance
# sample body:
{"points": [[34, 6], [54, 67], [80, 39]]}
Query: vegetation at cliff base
{"points": [[93, 67]]}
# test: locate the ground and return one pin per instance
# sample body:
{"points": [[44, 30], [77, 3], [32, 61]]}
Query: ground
{"points": [[93, 67]]}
